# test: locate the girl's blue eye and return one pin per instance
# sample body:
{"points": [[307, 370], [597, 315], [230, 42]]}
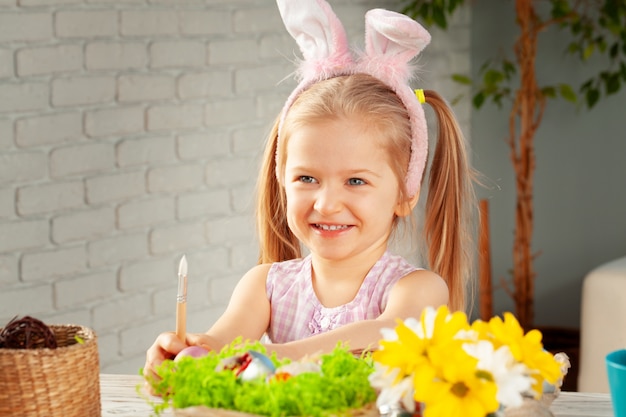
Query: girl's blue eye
{"points": [[356, 181], [306, 179]]}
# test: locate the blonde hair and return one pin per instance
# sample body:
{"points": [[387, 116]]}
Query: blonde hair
{"points": [[450, 203]]}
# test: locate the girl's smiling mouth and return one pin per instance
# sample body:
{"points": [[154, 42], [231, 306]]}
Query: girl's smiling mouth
{"points": [[331, 227]]}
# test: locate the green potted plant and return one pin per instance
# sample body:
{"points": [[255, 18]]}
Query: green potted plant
{"points": [[597, 30]]}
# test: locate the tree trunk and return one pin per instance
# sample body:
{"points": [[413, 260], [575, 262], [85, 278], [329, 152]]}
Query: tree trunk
{"points": [[524, 119], [484, 264]]}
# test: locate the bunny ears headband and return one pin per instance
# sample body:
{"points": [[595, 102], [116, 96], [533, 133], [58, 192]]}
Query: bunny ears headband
{"points": [[392, 40]]}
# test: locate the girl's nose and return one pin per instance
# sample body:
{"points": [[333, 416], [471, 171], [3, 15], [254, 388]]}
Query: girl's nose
{"points": [[328, 200]]}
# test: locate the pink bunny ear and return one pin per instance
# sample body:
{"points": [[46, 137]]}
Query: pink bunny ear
{"points": [[391, 41], [320, 36], [323, 42]]}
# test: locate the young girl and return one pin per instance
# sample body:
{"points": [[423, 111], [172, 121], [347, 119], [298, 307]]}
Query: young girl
{"points": [[342, 167]]}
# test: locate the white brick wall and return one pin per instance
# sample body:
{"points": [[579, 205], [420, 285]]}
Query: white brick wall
{"points": [[23, 97], [48, 129], [115, 55], [130, 133], [49, 60], [25, 26]]}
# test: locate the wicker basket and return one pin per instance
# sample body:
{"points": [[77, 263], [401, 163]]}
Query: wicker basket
{"points": [[61, 382]]}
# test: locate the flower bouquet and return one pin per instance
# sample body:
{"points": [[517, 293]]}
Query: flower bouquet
{"points": [[449, 367], [241, 380]]}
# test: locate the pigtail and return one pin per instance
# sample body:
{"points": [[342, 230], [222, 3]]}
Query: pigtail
{"points": [[448, 225], [276, 242]]}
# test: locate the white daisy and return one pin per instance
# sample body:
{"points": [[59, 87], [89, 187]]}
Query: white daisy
{"points": [[392, 391], [511, 377]]}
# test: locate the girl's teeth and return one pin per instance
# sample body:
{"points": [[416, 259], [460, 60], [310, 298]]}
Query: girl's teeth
{"points": [[331, 227]]}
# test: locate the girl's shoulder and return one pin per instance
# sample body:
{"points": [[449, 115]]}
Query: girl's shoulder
{"points": [[256, 274], [425, 282], [267, 269], [291, 266], [411, 276], [396, 264], [288, 276]]}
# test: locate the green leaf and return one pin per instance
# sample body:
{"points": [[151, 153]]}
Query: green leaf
{"points": [[560, 9], [424, 12], [453, 4], [79, 340], [586, 85], [567, 93], [573, 48], [611, 10], [462, 79], [497, 98], [509, 68], [493, 77], [592, 97], [479, 100], [588, 51], [601, 43], [549, 92], [612, 83], [439, 18]]}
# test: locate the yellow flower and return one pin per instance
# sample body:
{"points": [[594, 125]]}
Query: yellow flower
{"points": [[483, 331], [527, 349], [407, 353], [462, 391], [447, 325], [458, 370], [416, 340]]}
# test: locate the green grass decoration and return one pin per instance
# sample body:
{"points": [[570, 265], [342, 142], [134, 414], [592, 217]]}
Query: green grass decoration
{"points": [[342, 385]]}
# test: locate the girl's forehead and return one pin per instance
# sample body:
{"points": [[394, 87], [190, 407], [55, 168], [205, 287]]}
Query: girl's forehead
{"points": [[336, 144], [337, 133]]}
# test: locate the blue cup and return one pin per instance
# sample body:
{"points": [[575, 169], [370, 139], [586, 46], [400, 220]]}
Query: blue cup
{"points": [[616, 371]]}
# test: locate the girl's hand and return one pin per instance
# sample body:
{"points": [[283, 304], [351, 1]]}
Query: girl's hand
{"points": [[166, 346]]}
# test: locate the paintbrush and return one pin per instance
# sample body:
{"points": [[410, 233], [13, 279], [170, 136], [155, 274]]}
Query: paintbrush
{"points": [[181, 300]]}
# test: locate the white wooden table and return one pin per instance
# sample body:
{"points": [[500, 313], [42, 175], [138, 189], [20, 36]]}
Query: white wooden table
{"points": [[121, 399]]}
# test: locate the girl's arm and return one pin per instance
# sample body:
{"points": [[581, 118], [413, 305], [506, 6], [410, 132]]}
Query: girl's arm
{"points": [[407, 298], [247, 315], [248, 311]]}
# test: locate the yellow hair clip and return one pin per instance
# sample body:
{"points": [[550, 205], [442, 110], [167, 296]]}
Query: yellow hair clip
{"points": [[420, 95]]}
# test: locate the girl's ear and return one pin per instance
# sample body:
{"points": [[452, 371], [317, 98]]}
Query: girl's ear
{"points": [[405, 207]]}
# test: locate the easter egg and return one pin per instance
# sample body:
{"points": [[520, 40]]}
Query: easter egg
{"points": [[257, 365], [191, 351], [248, 366]]}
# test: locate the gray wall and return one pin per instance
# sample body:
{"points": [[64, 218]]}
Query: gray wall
{"points": [[580, 192], [130, 133]]}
